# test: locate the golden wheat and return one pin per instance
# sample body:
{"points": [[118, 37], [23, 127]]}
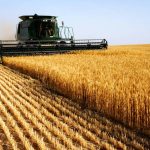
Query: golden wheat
{"points": [[67, 120], [34, 118], [8, 134], [115, 82]]}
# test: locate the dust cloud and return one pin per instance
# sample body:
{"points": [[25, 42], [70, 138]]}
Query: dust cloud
{"points": [[7, 31]]}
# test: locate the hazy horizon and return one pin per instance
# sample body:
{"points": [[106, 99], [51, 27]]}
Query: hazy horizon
{"points": [[119, 22]]}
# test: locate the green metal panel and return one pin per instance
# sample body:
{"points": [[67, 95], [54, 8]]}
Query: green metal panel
{"points": [[42, 28], [38, 28]]}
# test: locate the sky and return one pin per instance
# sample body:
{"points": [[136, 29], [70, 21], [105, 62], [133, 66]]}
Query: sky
{"points": [[119, 21]]}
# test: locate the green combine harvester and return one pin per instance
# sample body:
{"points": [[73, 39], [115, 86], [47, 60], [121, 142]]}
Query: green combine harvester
{"points": [[42, 35]]}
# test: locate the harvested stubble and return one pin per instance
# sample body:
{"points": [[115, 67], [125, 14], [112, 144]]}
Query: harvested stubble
{"points": [[115, 82], [32, 117]]}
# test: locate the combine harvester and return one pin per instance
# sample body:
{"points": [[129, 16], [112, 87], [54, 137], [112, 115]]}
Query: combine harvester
{"points": [[42, 35]]}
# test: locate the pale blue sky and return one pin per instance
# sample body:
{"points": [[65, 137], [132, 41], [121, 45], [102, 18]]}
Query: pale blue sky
{"points": [[120, 22]]}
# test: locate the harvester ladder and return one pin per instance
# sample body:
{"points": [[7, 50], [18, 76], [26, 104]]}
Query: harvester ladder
{"points": [[66, 32]]}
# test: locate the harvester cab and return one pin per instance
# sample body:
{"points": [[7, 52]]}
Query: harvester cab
{"points": [[42, 35], [42, 28]]}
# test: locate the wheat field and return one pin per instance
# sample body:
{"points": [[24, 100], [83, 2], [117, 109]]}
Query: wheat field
{"points": [[115, 82], [32, 117]]}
